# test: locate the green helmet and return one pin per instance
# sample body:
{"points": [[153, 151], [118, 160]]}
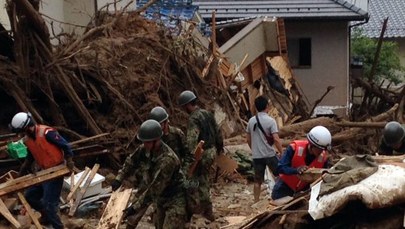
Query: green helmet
{"points": [[186, 97], [159, 114], [393, 133], [150, 130]]}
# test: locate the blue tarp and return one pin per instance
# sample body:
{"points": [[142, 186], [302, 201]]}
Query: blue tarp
{"points": [[170, 12]]}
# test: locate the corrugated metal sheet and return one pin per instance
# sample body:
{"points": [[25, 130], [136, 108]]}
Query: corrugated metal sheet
{"points": [[379, 10], [297, 9]]}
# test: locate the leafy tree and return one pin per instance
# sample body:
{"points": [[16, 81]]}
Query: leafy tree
{"points": [[388, 67]]}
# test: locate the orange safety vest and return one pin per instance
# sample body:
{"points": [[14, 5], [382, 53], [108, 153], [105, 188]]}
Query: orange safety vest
{"points": [[45, 153], [300, 152]]}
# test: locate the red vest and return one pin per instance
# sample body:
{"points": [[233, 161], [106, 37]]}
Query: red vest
{"points": [[300, 152], [45, 153]]}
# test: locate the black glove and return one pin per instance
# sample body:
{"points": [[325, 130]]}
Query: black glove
{"points": [[24, 169], [302, 169], [129, 211], [115, 184]]}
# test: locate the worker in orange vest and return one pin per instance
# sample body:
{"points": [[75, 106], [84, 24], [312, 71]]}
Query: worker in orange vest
{"points": [[47, 149], [298, 157]]}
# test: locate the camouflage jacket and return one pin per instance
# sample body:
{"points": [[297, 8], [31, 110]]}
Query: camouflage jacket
{"points": [[176, 140], [159, 173], [202, 126]]}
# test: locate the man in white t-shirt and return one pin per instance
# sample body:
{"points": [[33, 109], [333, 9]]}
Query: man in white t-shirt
{"points": [[262, 137]]}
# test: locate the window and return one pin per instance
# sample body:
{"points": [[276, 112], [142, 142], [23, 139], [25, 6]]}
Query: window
{"points": [[299, 52]]}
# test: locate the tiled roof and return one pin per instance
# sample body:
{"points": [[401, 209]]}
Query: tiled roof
{"points": [[288, 9], [379, 10]]}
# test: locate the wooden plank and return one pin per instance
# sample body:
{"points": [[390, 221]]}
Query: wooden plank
{"points": [[6, 213], [77, 185], [27, 206], [29, 210], [114, 211], [207, 67], [89, 139], [83, 190], [31, 179]]}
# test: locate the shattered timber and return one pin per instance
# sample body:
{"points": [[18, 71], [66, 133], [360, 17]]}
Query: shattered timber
{"points": [[98, 87]]}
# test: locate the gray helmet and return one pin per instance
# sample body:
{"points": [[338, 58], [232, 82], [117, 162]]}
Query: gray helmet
{"points": [[150, 130], [393, 133], [186, 97], [159, 114]]}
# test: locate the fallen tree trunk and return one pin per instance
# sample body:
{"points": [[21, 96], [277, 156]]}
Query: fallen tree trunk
{"points": [[304, 127], [356, 133]]}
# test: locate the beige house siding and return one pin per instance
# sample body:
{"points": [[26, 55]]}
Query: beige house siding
{"points": [[72, 12], [330, 61]]}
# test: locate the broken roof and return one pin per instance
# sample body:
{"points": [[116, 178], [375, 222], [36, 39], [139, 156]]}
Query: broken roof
{"points": [[379, 10], [288, 9]]}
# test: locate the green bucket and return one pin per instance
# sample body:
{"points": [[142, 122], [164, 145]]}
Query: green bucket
{"points": [[17, 150]]}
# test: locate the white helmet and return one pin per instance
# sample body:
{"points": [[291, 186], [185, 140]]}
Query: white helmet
{"points": [[320, 137], [20, 121]]}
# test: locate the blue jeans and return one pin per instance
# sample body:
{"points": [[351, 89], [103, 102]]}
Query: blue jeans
{"points": [[281, 190], [45, 199]]}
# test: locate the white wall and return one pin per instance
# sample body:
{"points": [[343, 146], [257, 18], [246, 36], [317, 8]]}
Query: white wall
{"points": [[73, 12], [3, 15]]}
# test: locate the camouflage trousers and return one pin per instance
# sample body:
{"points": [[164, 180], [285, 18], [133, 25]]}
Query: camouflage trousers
{"points": [[171, 212], [198, 195]]}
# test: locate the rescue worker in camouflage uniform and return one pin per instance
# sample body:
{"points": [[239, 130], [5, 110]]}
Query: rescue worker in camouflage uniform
{"points": [[393, 140], [162, 179], [172, 136], [201, 126]]}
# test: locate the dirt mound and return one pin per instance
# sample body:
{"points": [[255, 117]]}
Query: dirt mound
{"points": [[106, 80]]}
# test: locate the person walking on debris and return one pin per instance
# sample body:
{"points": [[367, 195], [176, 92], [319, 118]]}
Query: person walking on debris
{"points": [[161, 176], [201, 126], [172, 136], [298, 157], [393, 140], [47, 149], [262, 136]]}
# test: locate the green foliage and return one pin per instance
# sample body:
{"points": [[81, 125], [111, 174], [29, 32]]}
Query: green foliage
{"points": [[388, 67]]}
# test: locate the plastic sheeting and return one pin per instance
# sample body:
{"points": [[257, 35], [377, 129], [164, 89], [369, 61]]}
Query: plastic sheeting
{"points": [[384, 188]]}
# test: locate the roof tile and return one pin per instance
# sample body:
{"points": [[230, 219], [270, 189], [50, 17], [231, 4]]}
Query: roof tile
{"points": [[379, 10]]}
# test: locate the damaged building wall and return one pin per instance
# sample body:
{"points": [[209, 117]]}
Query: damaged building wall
{"points": [[329, 47]]}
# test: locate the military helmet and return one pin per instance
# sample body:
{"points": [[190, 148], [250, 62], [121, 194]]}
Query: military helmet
{"points": [[186, 97], [393, 133], [150, 130], [159, 114]]}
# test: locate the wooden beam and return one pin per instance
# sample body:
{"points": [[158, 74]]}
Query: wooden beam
{"points": [[114, 211], [26, 205], [31, 179], [89, 139]]}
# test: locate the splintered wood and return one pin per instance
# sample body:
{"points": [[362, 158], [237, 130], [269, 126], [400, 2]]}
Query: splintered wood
{"points": [[31, 179], [113, 213]]}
